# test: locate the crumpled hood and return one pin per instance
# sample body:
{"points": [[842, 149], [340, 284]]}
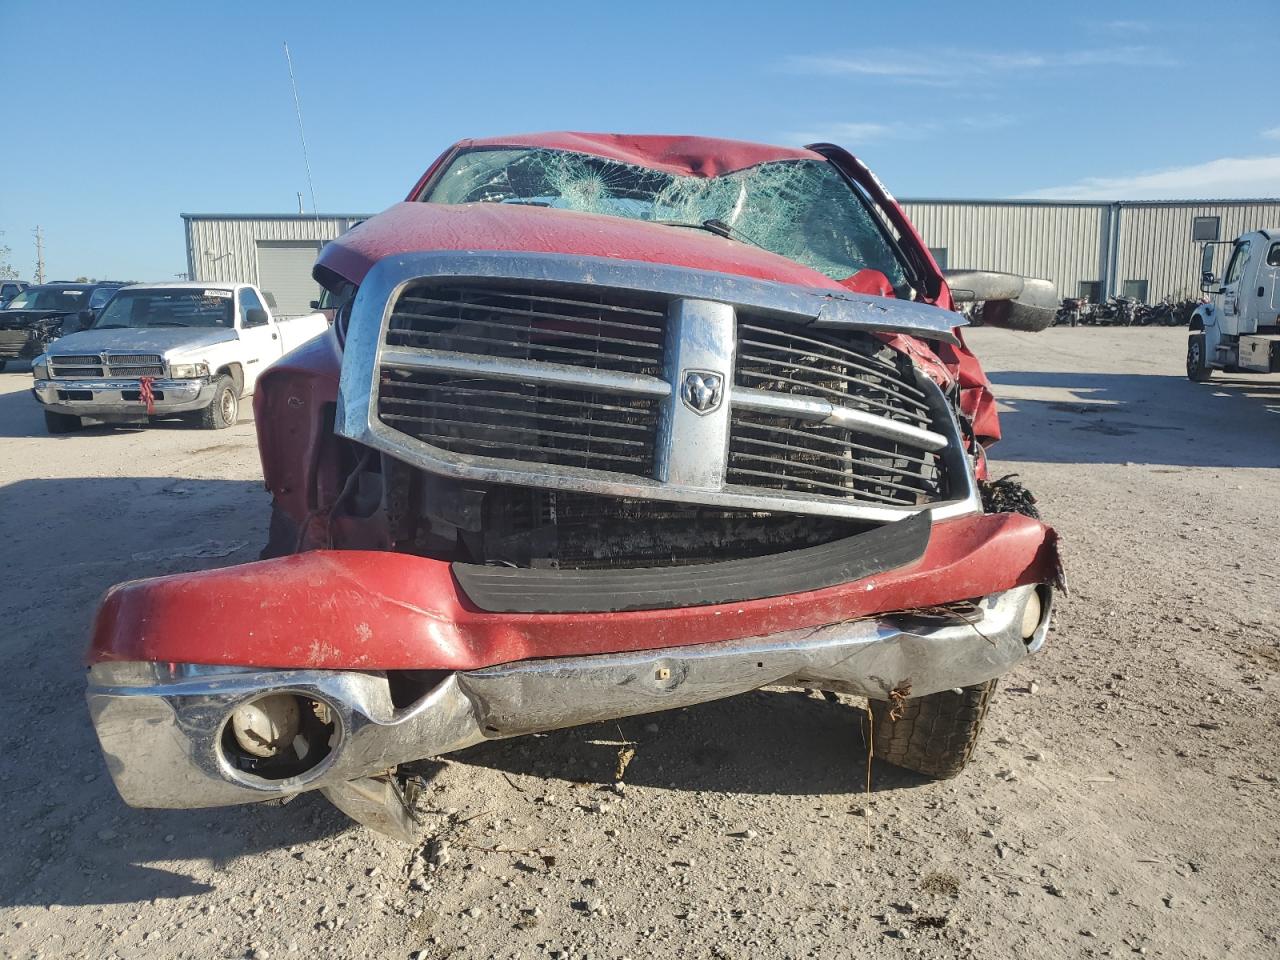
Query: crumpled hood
{"points": [[422, 227], [163, 340]]}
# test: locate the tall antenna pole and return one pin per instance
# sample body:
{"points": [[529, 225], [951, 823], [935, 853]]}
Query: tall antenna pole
{"points": [[302, 134], [39, 255]]}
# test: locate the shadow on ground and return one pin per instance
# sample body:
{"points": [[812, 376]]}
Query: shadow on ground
{"points": [[1134, 418], [765, 742], [63, 542]]}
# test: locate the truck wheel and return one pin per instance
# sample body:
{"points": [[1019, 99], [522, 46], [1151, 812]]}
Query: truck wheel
{"points": [[61, 422], [1198, 368], [224, 410], [933, 735]]}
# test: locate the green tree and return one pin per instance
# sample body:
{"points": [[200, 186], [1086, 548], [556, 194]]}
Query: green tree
{"points": [[7, 270]]}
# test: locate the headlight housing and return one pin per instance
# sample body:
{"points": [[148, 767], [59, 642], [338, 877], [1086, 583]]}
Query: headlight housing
{"points": [[188, 371], [40, 368]]}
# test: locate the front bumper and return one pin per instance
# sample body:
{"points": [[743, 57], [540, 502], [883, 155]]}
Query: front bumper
{"points": [[162, 726], [119, 398]]}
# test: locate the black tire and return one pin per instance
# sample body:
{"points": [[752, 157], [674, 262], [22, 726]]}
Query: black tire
{"points": [[1198, 369], [61, 422], [933, 735], [2, 363], [224, 409]]}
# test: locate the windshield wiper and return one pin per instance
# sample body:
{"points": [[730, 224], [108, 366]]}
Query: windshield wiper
{"points": [[168, 323], [110, 326], [718, 227]]}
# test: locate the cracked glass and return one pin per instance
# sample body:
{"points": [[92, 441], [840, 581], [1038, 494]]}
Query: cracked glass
{"points": [[801, 209]]}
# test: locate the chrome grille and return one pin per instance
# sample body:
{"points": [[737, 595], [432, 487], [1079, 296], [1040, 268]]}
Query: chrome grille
{"points": [[135, 365], [76, 365], [573, 374], [129, 366], [848, 369], [565, 336]]}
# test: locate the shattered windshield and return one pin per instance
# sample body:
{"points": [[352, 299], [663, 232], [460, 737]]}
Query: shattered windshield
{"points": [[801, 209], [181, 307]]}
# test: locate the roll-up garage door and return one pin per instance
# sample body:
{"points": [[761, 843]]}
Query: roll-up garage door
{"points": [[284, 271]]}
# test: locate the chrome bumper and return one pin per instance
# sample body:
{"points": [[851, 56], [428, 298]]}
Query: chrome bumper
{"points": [[161, 726], [107, 397]]}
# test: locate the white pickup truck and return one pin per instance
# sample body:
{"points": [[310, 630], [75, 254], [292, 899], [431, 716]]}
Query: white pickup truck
{"points": [[162, 350]]}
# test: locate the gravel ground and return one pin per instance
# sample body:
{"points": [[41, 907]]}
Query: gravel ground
{"points": [[1124, 799]]}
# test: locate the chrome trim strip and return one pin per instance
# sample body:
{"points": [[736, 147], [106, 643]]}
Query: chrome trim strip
{"points": [[822, 411], [693, 447], [161, 740], [524, 371]]}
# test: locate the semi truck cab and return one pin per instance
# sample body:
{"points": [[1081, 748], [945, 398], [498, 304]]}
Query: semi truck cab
{"points": [[1239, 329]]}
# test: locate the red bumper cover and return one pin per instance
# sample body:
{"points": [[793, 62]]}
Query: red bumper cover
{"points": [[365, 610]]}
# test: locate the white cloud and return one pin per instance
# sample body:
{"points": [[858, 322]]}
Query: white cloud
{"points": [[947, 66], [1224, 178], [856, 135], [1272, 133], [1127, 26], [859, 133]]}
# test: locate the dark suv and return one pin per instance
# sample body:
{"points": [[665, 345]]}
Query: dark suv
{"points": [[36, 316]]}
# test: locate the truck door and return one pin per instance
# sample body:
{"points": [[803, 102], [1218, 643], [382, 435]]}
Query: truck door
{"points": [[261, 340], [1269, 281], [1234, 297]]}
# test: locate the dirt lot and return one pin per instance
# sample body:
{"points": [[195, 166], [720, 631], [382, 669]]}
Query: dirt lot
{"points": [[1124, 801]]}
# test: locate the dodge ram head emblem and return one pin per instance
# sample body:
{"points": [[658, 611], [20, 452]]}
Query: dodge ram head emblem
{"points": [[701, 390]]}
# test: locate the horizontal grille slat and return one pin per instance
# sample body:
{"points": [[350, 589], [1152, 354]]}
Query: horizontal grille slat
{"points": [[525, 414], [523, 349]]}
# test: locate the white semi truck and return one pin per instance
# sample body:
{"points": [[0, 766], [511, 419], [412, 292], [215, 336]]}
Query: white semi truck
{"points": [[1239, 329]]}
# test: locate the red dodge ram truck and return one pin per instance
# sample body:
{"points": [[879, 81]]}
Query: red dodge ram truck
{"points": [[605, 425]]}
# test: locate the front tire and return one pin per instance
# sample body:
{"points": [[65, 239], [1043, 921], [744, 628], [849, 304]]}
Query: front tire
{"points": [[1198, 369], [224, 410], [934, 735], [61, 422]]}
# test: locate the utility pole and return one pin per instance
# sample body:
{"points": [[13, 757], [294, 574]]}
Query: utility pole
{"points": [[39, 255]]}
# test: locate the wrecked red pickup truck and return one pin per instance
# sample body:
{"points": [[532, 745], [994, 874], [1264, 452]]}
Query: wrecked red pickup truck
{"points": [[606, 425]]}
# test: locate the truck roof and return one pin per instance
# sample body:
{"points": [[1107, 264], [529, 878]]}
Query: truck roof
{"points": [[188, 285]]}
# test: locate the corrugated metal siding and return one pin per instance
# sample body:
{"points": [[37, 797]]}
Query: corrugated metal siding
{"points": [[224, 249], [1060, 242], [1156, 245]]}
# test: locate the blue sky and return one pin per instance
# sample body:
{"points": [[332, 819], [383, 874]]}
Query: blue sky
{"points": [[120, 116]]}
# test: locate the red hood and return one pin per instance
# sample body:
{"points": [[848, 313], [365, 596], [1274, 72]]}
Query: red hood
{"points": [[421, 227]]}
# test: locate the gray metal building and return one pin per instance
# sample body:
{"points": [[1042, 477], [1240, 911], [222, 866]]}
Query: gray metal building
{"points": [[274, 251], [1145, 249], [1139, 248]]}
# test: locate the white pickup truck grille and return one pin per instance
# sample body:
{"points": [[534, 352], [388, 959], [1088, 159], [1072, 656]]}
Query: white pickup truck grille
{"points": [[130, 366]]}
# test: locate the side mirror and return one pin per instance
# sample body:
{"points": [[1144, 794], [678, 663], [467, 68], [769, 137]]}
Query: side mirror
{"points": [[84, 319], [315, 304], [255, 317], [1008, 300]]}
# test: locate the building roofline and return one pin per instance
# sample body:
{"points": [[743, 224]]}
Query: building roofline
{"points": [[275, 216], [948, 201]]}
